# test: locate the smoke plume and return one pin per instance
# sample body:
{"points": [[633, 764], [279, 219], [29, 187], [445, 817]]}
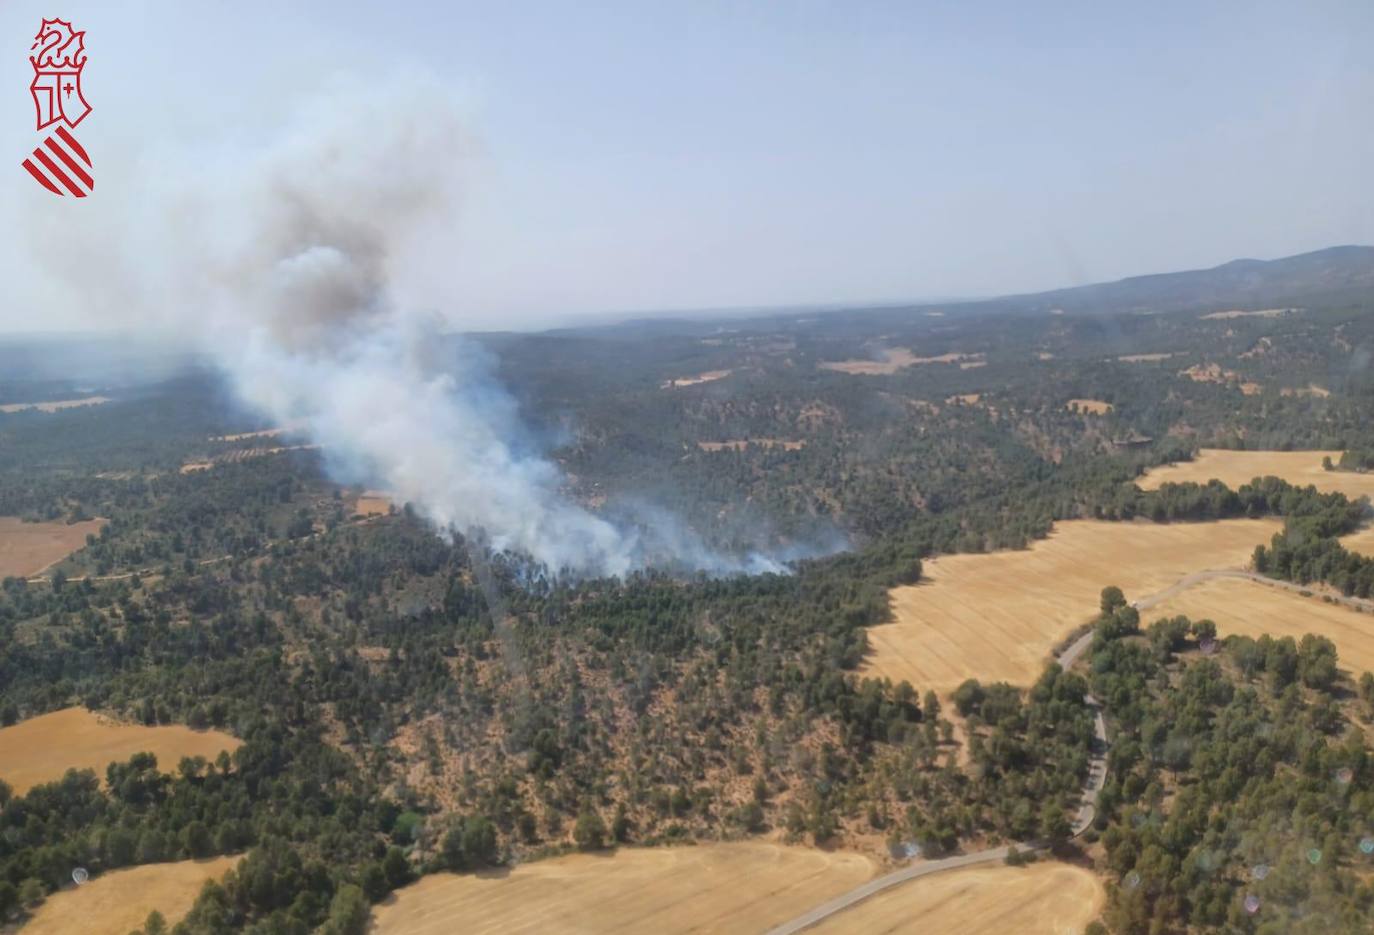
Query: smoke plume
{"points": [[285, 265]]}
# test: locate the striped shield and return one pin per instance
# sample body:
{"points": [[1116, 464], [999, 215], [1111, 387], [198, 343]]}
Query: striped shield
{"points": [[61, 166]]}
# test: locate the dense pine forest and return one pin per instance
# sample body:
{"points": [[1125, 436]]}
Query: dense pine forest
{"points": [[410, 702]]}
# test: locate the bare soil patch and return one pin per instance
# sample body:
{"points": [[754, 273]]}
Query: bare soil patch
{"points": [[892, 359], [1094, 406], [1043, 898], [42, 749], [706, 377], [117, 903], [1248, 608], [743, 887], [1213, 373], [998, 616], [372, 503], [739, 444], [28, 548], [1234, 468], [1143, 358], [55, 405], [1312, 389], [1240, 313]]}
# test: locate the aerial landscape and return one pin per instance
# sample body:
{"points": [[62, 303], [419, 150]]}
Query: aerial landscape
{"points": [[420, 513]]}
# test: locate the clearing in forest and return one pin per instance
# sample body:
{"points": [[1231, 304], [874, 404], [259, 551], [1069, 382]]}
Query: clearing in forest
{"points": [[1043, 898], [28, 548], [893, 359], [41, 749], [741, 887], [997, 616], [706, 377], [739, 444], [55, 405], [118, 902], [372, 503], [1095, 406], [1241, 607], [1235, 468], [1240, 313], [1144, 358]]}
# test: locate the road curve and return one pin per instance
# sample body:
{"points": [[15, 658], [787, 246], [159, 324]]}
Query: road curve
{"points": [[1087, 810], [1097, 766]]}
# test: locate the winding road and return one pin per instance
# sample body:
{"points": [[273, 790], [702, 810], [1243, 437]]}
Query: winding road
{"points": [[1097, 765]]}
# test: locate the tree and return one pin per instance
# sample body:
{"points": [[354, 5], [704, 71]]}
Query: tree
{"points": [[590, 831], [1054, 826], [374, 883], [968, 697], [9, 899], [155, 924], [1112, 598], [197, 840], [396, 867], [348, 911]]}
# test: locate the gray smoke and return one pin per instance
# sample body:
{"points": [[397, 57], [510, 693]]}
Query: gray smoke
{"points": [[287, 269]]}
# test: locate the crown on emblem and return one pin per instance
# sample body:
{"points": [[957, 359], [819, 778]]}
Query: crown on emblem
{"points": [[59, 47]]}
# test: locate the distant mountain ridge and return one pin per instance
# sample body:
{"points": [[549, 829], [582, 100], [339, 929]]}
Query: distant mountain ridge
{"points": [[1335, 276]]}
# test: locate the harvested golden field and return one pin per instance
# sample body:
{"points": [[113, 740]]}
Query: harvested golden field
{"points": [[1243, 607], [743, 887], [55, 405], [117, 903], [28, 548], [1044, 898], [893, 359], [997, 616], [42, 748], [739, 444], [1234, 468], [1311, 390], [1239, 313], [1095, 406], [372, 503], [1361, 540], [1143, 358], [706, 377]]}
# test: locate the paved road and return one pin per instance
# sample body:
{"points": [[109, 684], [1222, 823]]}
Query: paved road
{"points": [[1097, 766], [1097, 776]]}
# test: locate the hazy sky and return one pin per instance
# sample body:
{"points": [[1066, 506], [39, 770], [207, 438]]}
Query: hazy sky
{"points": [[639, 156]]}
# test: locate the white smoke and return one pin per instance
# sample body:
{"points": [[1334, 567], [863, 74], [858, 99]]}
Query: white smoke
{"points": [[285, 267]]}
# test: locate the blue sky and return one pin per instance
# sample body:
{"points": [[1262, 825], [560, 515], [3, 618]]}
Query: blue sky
{"points": [[633, 157]]}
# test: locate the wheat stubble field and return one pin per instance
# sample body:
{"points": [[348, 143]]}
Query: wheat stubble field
{"points": [[997, 616], [28, 548], [1248, 608], [743, 887], [118, 903], [1045, 898], [42, 748], [1235, 468]]}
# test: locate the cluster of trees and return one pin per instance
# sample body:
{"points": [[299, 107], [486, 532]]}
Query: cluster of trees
{"points": [[1238, 786]]}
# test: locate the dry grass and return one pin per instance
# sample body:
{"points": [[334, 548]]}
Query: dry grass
{"points": [[28, 548], [968, 399], [893, 359], [1044, 898], [42, 748], [1238, 313], [706, 377], [242, 454], [1361, 541], [744, 887], [739, 444], [372, 503], [996, 617], [1095, 406], [119, 902], [1234, 468], [1143, 358], [1213, 373], [1249, 608], [55, 405], [1312, 389]]}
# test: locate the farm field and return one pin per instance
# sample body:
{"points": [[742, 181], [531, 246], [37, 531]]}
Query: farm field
{"points": [[1235, 468], [372, 503], [28, 548], [744, 887], [996, 617], [117, 903], [1249, 608], [1044, 898], [55, 405], [1095, 406], [42, 748], [1361, 541], [893, 359]]}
